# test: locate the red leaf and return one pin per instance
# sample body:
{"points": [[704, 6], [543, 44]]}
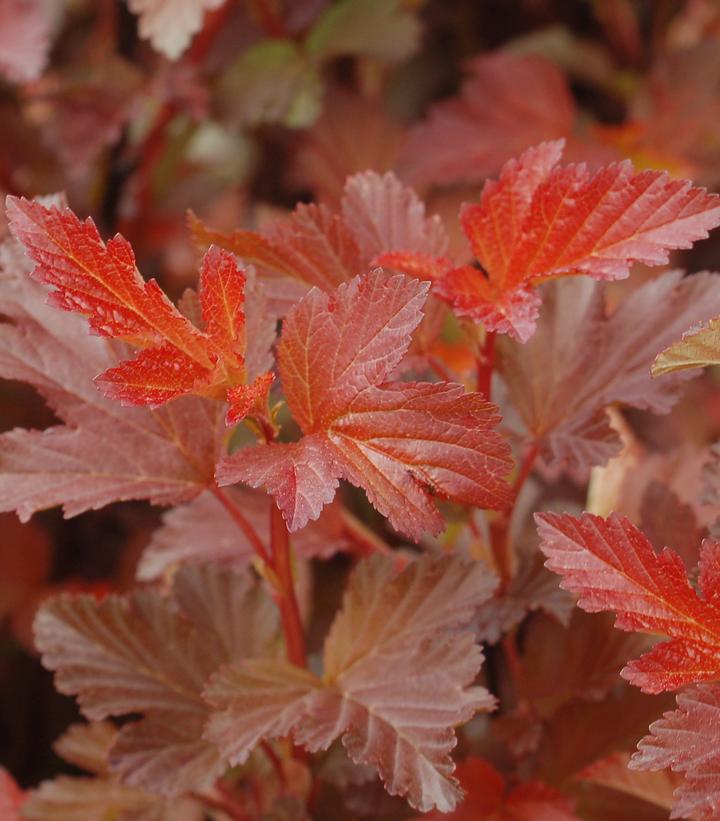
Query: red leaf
{"points": [[101, 281], [582, 358], [392, 439], [539, 221], [102, 452], [301, 476], [149, 654], [612, 566], [313, 246], [318, 247], [688, 741], [507, 103], [392, 648], [489, 797]]}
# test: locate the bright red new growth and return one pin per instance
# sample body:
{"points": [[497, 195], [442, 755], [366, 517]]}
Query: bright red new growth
{"points": [[612, 566], [101, 281], [539, 221], [394, 439]]}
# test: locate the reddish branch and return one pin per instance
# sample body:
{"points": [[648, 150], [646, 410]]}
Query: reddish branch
{"points": [[285, 596], [269, 18], [244, 525], [279, 571], [154, 144], [485, 366]]}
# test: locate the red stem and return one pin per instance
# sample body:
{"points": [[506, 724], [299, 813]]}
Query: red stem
{"points": [[365, 540], [152, 147], [270, 20], [275, 761], [500, 528], [440, 369], [243, 524], [285, 596], [214, 21], [485, 366], [526, 467]]}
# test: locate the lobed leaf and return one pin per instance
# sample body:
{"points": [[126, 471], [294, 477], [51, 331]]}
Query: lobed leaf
{"points": [[392, 439], [583, 358], [384, 215], [687, 741], [102, 453], [507, 103], [152, 655], [101, 281], [540, 221], [612, 566], [392, 648], [170, 25], [318, 247]]}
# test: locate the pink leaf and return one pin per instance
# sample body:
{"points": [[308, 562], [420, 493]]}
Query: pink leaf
{"points": [[149, 654], [612, 566], [25, 27], [102, 453], [393, 439], [688, 741], [170, 24], [507, 103], [583, 358], [394, 645]]}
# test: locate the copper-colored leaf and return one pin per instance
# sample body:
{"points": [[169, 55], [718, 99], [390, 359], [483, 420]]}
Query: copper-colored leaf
{"points": [[583, 358], [393, 439], [612, 566], [613, 772], [103, 452], [540, 221], [152, 655], [392, 648], [688, 741]]}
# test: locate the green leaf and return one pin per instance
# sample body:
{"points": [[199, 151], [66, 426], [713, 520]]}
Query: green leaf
{"points": [[373, 28], [274, 82]]}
